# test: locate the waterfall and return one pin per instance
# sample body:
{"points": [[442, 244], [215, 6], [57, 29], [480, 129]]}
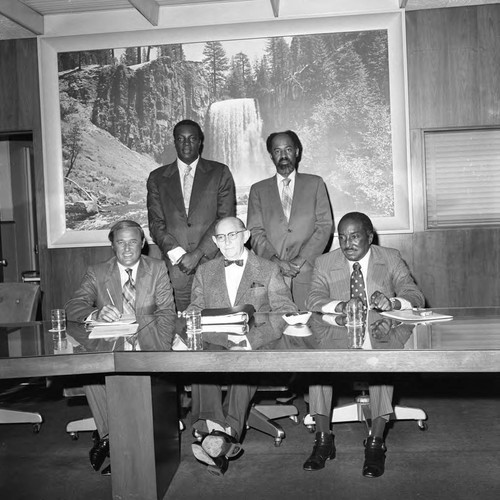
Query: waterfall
{"points": [[234, 136]]}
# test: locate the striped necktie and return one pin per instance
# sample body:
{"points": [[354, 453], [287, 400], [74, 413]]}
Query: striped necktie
{"points": [[188, 186], [286, 197], [128, 293]]}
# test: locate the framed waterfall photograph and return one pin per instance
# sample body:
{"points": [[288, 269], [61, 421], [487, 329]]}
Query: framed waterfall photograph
{"points": [[110, 102]]}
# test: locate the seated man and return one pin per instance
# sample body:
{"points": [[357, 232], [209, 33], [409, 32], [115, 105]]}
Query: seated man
{"points": [[234, 278], [128, 283], [380, 278]]}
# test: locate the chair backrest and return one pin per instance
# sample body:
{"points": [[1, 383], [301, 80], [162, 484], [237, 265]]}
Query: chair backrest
{"points": [[18, 302]]}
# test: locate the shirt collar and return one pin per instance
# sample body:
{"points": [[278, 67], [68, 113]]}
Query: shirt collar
{"points": [[363, 262], [182, 166], [291, 176]]}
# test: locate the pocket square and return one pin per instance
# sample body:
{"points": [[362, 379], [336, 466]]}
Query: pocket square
{"points": [[256, 285]]}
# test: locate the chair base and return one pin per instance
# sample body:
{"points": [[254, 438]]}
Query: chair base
{"points": [[21, 417], [261, 417], [359, 411]]}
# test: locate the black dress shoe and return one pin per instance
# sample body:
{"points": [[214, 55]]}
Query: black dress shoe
{"points": [[216, 466], [374, 465], [106, 471], [221, 444], [324, 449], [98, 453]]}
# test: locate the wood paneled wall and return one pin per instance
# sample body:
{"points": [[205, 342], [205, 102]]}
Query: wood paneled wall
{"points": [[454, 75], [453, 81]]}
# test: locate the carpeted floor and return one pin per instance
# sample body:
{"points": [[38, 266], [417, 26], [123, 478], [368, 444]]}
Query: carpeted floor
{"points": [[458, 457]]}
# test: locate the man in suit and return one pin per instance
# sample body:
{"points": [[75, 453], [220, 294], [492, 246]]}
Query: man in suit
{"points": [[184, 200], [234, 278], [128, 283], [380, 278], [289, 215]]}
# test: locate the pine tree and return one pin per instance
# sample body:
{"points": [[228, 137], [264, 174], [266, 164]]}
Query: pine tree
{"points": [[216, 65]]}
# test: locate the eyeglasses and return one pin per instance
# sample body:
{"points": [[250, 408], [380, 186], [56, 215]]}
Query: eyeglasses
{"points": [[222, 238]]}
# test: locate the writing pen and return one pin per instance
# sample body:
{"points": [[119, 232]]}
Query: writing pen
{"points": [[111, 298]]}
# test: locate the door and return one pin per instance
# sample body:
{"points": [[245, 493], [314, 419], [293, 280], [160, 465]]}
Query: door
{"points": [[19, 241]]}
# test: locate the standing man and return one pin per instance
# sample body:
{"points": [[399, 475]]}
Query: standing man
{"points": [[380, 278], [184, 200], [235, 278], [289, 215], [128, 283]]}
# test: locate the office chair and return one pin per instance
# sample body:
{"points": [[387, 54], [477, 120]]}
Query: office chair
{"points": [[18, 304], [261, 415], [359, 411]]}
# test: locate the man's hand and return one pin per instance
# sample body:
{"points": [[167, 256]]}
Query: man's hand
{"points": [[379, 301], [188, 262], [297, 262], [109, 313], [286, 268], [381, 328]]}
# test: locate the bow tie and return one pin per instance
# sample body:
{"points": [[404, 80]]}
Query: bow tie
{"points": [[238, 262], [242, 343]]}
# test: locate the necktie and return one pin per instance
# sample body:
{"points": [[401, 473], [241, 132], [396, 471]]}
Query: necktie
{"points": [[238, 262], [358, 284], [128, 293], [286, 197], [188, 186]]}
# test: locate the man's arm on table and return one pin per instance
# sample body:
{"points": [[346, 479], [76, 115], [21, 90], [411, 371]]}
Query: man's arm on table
{"points": [[84, 301]]}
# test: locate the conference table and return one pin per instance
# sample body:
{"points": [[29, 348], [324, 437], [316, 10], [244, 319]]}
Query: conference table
{"points": [[142, 384]]}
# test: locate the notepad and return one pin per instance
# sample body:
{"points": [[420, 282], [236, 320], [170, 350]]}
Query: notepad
{"points": [[107, 330], [124, 320], [414, 317], [234, 328]]}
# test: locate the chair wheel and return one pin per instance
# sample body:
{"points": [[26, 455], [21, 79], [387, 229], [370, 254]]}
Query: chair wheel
{"points": [[422, 425], [74, 436], [277, 442], [311, 428], [294, 419], [36, 428]]}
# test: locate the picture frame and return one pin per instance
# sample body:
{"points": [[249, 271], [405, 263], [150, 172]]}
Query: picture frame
{"points": [[399, 216]]}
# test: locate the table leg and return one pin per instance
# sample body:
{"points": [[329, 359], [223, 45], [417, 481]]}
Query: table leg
{"points": [[144, 435]]}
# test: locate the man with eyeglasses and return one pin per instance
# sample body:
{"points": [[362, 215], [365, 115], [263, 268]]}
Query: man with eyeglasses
{"points": [[129, 284], [184, 200], [289, 215], [236, 277]]}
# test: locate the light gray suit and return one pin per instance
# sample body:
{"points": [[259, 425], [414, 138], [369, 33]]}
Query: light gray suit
{"points": [[262, 286], [153, 297], [305, 234], [387, 273]]}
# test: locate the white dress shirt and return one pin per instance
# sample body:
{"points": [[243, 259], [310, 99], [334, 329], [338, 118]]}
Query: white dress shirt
{"points": [[279, 180], [176, 253], [233, 276]]}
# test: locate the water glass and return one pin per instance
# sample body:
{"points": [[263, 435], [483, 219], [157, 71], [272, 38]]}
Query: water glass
{"points": [[193, 330], [194, 341], [355, 312], [58, 317]]}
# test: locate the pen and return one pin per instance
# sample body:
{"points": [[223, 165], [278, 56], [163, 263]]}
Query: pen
{"points": [[110, 298]]}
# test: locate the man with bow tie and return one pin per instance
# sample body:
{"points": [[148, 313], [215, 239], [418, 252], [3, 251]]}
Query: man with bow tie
{"points": [[236, 277], [380, 279]]}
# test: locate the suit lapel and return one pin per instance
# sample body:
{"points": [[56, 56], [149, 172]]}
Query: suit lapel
{"points": [[274, 198], [250, 275], [298, 193], [143, 274], [201, 180], [218, 285], [112, 283], [173, 186], [377, 270]]}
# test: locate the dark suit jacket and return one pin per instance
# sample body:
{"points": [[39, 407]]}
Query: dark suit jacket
{"points": [[307, 232], [261, 285], [213, 197], [387, 273], [153, 295]]}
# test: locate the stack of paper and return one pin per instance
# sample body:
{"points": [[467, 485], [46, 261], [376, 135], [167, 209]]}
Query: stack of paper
{"points": [[232, 320], [103, 330], [415, 317]]}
